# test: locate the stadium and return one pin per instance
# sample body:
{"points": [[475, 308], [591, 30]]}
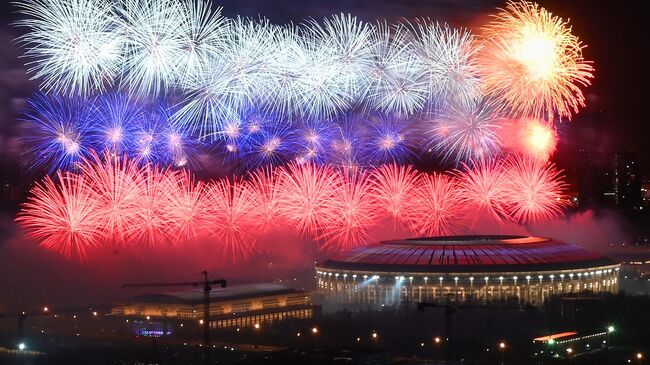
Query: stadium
{"points": [[479, 269]]}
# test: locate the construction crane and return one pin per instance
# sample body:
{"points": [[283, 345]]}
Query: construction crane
{"points": [[207, 288]]}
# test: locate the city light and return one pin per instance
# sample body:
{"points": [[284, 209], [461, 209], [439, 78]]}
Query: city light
{"points": [[257, 326], [22, 346], [610, 329], [502, 345], [436, 340], [314, 330]]}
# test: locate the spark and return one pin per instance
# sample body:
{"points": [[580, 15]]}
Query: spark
{"points": [[533, 63]]}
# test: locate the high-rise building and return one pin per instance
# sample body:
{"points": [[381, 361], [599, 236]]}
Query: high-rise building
{"points": [[627, 181]]}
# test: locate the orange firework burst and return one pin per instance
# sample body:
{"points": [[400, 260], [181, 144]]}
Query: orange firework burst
{"points": [[532, 63]]}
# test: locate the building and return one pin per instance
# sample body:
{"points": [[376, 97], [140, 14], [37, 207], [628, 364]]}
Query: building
{"points": [[465, 268], [627, 181], [568, 344], [234, 306]]}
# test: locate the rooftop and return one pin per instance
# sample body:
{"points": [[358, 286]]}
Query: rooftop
{"points": [[468, 254], [235, 292]]}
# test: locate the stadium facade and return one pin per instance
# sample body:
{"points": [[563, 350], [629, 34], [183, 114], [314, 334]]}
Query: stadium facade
{"points": [[480, 269]]}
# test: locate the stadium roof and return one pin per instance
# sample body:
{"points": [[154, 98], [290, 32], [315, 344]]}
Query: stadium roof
{"points": [[468, 254], [235, 292]]}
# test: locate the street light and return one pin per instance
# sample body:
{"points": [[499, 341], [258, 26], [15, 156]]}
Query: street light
{"points": [[314, 330], [502, 347], [610, 329], [22, 346], [437, 341], [375, 337], [257, 335]]}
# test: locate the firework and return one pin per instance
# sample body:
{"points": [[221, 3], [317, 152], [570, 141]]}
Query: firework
{"points": [[466, 132], [264, 185], [248, 56], [437, 208], [307, 194], [534, 189], [532, 62], [152, 230], [203, 33], [353, 212], [116, 123], [63, 216], [483, 187], [154, 44], [449, 58], [532, 137], [72, 44], [58, 131], [389, 141], [393, 187], [232, 223], [345, 41], [114, 184], [397, 82], [187, 210]]}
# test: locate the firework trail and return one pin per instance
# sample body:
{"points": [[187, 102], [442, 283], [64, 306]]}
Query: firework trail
{"points": [[264, 185], [187, 212], [113, 202], [465, 132], [232, 223], [535, 189], [436, 209], [353, 213], [73, 44], [115, 187], [483, 187], [307, 195], [63, 216], [533, 64], [393, 187]]}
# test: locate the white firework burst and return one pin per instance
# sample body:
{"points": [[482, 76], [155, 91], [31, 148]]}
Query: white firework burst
{"points": [[465, 132], [449, 57], [397, 78], [207, 108], [248, 54], [287, 66], [154, 44], [346, 41], [72, 44], [202, 32]]}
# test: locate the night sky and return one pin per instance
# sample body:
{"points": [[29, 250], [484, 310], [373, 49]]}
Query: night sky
{"points": [[615, 35]]}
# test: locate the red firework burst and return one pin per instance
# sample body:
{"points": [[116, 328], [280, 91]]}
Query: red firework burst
{"points": [[63, 216], [232, 225], [307, 195], [437, 208], [265, 189], [187, 212], [353, 212], [534, 188], [115, 186], [393, 187], [482, 187]]}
